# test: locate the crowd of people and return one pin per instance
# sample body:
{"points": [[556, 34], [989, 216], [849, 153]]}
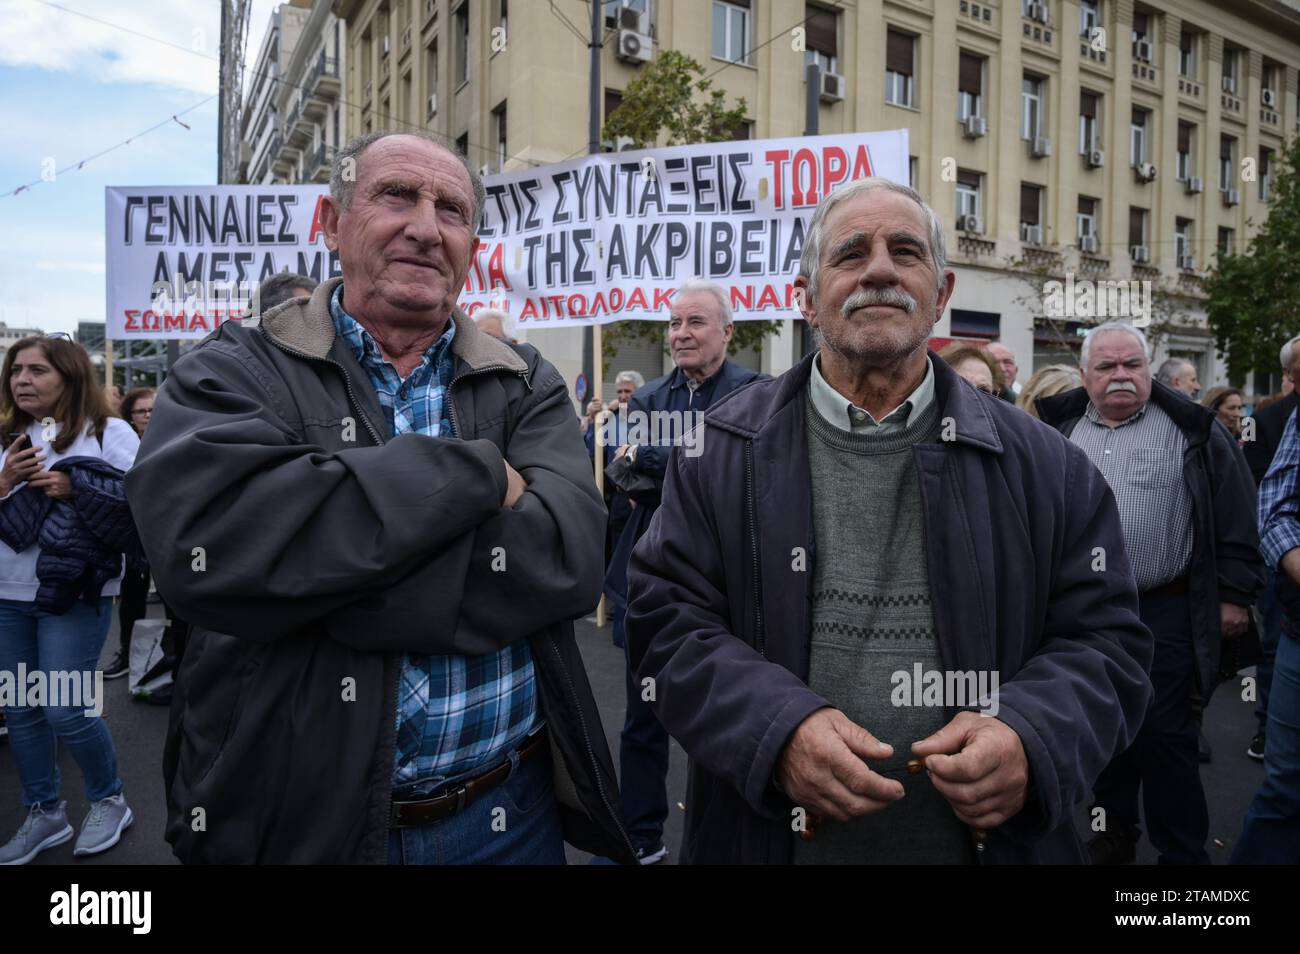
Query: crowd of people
{"points": [[379, 521]]}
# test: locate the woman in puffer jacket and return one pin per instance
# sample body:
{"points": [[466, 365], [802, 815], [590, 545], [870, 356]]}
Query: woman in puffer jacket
{"points": [[64, 525]]}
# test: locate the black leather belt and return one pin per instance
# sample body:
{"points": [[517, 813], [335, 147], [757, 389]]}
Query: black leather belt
{"points": [[1172, 588], [426, 811]]}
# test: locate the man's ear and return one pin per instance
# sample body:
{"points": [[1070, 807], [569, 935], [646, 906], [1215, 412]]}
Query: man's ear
{"points": [[803, 301], [945, 294], [329, 222]]}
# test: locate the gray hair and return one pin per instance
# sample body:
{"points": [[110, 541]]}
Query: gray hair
{"points": [[1105, 328], [810, 260], [350, 156], [638, 381], [1171, 368], [1286, 353], [714, 289]]}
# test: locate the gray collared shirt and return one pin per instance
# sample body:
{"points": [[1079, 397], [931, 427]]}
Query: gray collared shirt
{"points": [[836, 409], [1142, 460]]}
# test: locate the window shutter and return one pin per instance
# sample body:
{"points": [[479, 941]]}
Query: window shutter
{"points": [[1029, 204], [969, 73], [898, 53], [822, 33]]}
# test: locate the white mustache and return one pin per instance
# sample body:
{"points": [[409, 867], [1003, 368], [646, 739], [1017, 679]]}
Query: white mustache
{"points": [[1122, 386], [878, 296]]}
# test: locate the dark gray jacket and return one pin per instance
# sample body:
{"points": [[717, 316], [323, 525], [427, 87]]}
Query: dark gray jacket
{"points": [[1226, 565], [310, 549], [719, 609]]}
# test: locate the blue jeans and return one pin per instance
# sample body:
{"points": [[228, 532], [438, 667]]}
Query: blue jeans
{"points": [[516, 823], [1163, 760], [1271, 833], [1270, 612], [71, 642]]}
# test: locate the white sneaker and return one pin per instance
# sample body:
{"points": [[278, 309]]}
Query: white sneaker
{"points": [[41, 830], [104, 824]]}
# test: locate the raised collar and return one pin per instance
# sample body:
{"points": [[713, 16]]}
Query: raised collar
{"points": [[836, 409]]}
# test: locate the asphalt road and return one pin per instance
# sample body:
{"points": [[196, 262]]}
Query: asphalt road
{"points": [[138, 732]]}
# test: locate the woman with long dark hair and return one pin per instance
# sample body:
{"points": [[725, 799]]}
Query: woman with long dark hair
{"points": [[64, 526]]}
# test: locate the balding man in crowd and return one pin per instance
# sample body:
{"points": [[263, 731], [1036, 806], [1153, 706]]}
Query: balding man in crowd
{"points": [[494, 322], [1179, 375], [699, 328], [866, 522], [1187, 505], [381, 522], [1006, 360]]}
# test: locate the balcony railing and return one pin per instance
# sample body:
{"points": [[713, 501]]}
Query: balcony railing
{"points": [[322, 157], [325, 69]]}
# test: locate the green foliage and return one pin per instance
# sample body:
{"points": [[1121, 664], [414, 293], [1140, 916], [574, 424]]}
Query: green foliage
{"points": [[1253, 298], [671, 96]]}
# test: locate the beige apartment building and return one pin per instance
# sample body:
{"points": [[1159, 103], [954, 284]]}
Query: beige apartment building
{"points": [[1107, 139]]}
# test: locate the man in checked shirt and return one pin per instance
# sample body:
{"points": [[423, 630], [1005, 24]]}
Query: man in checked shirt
{"points": [[1186, 504], [1271, 833]]}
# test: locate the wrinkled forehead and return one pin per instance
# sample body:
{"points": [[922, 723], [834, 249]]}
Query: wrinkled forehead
{"points": [[872, 212], [416, 162], [690, 304], [1116, 346]]}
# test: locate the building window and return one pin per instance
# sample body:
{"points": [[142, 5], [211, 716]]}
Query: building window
{"points": [[913, 171], [1226, 242], [1086, 218], [499, 137], [1182, 239], [1268, 78], [431, 72], [1187, 55], [613, 100], [462, 42], [501, 20], [1137, 144], [613, 6], [1031, 107], [970, 86], [1137, 226], [1141, 26], [1230, 60], [462, 144], [822, 40], [731, 30], [1031, 209], [1089, 16], [1227, 164], [1088, 108], [968, 193], [1265, 160], [900, 55], [1183, 166]]}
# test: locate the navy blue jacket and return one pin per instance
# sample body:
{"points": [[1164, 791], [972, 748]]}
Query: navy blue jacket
{"points": [[719, 609], [668, 393], [82, 538]]}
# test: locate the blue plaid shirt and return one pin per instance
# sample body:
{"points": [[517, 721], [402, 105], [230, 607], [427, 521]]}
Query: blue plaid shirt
{"points": [[455, 714], [1279, 503]]}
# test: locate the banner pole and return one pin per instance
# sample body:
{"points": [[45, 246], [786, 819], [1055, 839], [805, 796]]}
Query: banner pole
{"points": [[108, 363], [598, 390]]}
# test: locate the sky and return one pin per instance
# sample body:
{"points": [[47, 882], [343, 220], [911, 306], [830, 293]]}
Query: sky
{"points": [[70, 88]]}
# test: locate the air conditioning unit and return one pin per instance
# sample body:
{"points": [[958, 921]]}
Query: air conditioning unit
{"points": [[969, 223], [484, 171], [832, 90], [1268, 98], [433, 103], [1139, 253], [1038, 11], [1096, 159], [629, 18], [634, 47], [1088, 244], [975, 127], [1042, 147], [1033, 234], [1194, 185], [1231, 197], [1146, 171], [1187, 263], [1230, 85], [1142, 50], [624, 143]]}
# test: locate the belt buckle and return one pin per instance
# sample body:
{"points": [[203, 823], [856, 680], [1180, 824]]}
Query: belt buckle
{"points": [[460, 799]]}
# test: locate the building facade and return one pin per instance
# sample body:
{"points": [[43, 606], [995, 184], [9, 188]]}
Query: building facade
{"points": [[1103, 140]]}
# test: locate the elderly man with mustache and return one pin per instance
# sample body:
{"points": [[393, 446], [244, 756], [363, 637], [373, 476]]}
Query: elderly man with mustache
{"points": [[1187, 505], [857, 532]]}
